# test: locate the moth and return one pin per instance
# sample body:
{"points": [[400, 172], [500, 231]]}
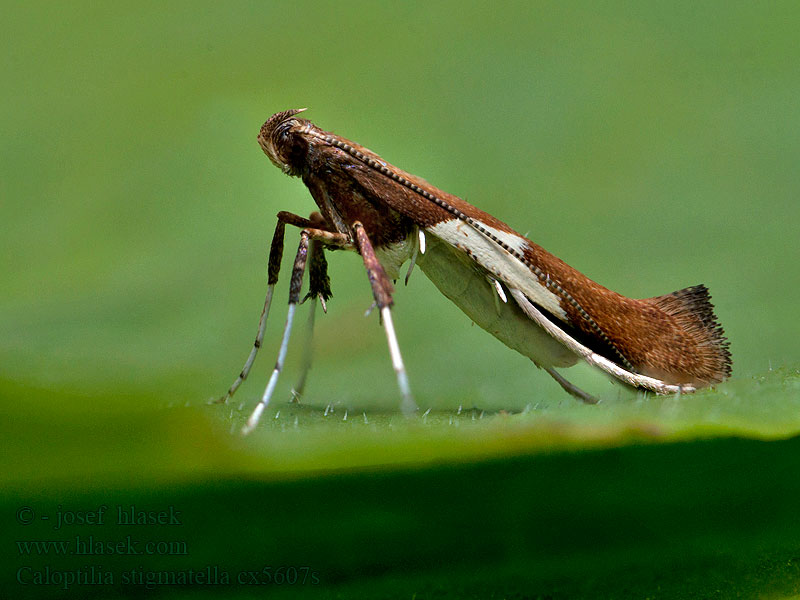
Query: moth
{"points": [[524, 296]]}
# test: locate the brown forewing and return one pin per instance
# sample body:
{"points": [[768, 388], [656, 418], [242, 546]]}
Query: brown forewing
{"points": [[656, 342]]}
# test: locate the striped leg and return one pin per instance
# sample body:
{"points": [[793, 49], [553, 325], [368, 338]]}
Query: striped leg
{"points": [[382, 291], [305, 362], [319, 286], [274, 266], [336, 239]]}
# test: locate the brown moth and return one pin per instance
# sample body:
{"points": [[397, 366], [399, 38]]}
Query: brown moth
{"points": [[527, 298]]}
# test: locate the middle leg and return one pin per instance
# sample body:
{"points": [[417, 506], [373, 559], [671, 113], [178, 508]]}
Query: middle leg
{"points": [[319, 287], [336, 239]]}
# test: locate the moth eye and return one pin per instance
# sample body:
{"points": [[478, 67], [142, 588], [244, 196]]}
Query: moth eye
{"points": [[283, 133]]}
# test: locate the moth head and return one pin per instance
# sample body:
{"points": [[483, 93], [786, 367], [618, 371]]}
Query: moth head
{"points": [[277, 141]]}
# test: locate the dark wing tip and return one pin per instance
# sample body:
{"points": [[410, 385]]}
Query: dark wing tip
{"points": [[693, 311]]}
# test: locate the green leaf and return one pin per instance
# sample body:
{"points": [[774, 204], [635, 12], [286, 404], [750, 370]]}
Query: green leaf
{"points": [[611, 500]]}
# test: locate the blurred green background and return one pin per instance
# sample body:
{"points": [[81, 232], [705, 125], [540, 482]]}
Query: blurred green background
{"points": [[652, 146]]}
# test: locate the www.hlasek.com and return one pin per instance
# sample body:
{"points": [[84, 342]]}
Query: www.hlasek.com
{"points": [[88, 545], [210, 575]]}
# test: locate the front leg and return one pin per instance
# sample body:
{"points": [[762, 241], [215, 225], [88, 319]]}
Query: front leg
{"points": [[315, 223], [335, 239], [382, 291]]}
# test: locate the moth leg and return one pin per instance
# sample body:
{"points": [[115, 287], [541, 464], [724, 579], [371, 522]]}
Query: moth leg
{"points": [[319, 287], [382, 291], [571, 388], [305, 361], [274, 264], [296, 283]]}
